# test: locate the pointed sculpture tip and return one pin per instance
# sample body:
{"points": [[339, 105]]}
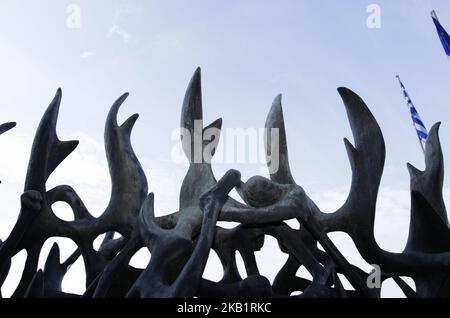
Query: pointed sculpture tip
{"points": [[58, 94], [56, 102], [278, 99], [275, 115], [55, 250], [196, 78], [435, 129], [128, 124], [276, 104], [7, 126], [133, 118], [345, 92], [413, 171], [438, 125], [354, 102], [216, 124], [192, 102], [121, 99], [194, 83], [111, 120]]}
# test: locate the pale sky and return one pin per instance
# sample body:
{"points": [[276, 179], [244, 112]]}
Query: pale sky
{"points": [[249, 51]]}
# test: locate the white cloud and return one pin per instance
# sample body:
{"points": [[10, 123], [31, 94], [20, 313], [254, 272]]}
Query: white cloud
{"points": [[116, 28], [87, 54]]}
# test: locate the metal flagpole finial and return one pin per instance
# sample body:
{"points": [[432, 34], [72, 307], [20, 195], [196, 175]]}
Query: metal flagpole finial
{"points": [[399, 80], [434, 15]]}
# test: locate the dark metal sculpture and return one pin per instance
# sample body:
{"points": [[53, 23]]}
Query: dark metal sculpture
{"points": [[180, 242]]}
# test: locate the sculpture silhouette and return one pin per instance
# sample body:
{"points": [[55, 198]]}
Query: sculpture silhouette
{"points": [[180, 242]]}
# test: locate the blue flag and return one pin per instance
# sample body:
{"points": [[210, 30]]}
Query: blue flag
{"points": [[443, 35]]}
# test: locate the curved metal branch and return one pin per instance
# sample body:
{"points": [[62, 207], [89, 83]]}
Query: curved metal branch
{"points": [[6, 126], [129, 183], [47, 151], [276, 148]]}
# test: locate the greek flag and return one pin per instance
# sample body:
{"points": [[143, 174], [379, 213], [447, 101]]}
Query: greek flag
{"points": [[443, 35], [418, 124]]}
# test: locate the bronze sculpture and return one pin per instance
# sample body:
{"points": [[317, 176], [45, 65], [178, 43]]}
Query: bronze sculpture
{"points": [[180, 242]]}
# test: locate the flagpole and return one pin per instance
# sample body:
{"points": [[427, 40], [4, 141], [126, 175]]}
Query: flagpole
{"points": [[413, 124], [421, 146]]}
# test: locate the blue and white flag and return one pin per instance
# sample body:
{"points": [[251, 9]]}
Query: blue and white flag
{"points": [[443, 35], [421, 130]]}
